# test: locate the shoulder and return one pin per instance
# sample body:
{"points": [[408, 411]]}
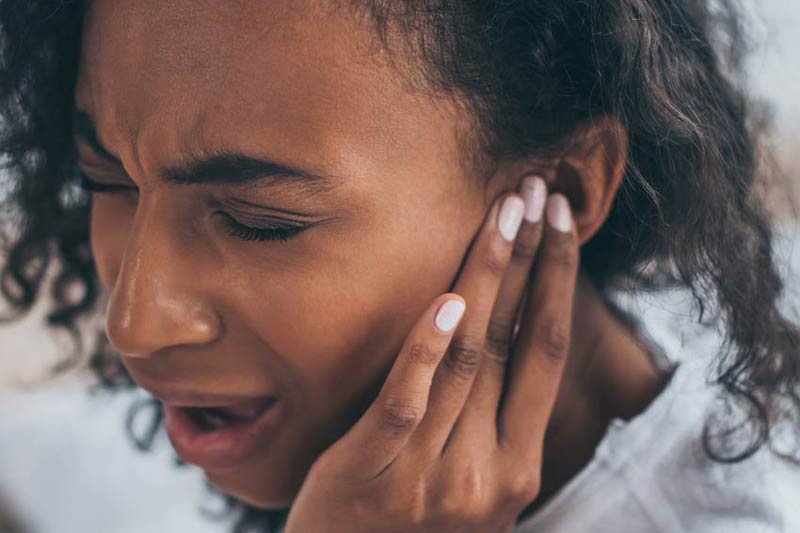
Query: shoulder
{"points": [[652, 473]]}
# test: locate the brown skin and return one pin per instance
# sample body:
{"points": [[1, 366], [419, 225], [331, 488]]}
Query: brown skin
{"points": [[318, 319]]}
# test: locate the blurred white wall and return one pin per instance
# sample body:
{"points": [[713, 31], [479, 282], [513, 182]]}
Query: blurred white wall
{"points": [[775, 65]]}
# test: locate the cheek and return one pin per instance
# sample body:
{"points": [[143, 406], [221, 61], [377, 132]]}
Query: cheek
{"points": [[341, 322]]}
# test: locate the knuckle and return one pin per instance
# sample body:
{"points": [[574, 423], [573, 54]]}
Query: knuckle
{"points": [[525, 249], [563, 251], [523, 487], [498, 340], [551, 335], [464, 499], [497, 254], [423, 354], [464, 356], [400, 414]]}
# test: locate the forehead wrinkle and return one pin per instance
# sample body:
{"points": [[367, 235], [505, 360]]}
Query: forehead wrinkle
{"points": [[188, 138], [301, 117]]}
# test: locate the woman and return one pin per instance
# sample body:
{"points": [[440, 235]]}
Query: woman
{"points": [[315, 224]]}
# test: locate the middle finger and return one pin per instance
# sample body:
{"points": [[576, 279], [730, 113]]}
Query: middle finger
{"points": [[480, 411]]}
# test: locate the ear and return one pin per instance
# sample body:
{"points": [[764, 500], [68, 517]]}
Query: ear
{"points": [[590, 172]]}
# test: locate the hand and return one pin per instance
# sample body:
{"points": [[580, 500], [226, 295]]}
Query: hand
{"points": [[446, 446]]}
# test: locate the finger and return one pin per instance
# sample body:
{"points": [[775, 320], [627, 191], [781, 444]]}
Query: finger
{"points": [[481, 408], [379, 435], [478, 283], [543, 342], [501, 324]]}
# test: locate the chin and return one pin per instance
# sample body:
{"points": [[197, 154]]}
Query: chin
{"points": [[266, 498]]}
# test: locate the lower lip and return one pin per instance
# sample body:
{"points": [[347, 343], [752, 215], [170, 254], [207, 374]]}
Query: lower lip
{"points": [[221, 448]]}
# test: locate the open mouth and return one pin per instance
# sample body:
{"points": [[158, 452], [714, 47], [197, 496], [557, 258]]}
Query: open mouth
{"points": [[222, 436], [212, 418]]}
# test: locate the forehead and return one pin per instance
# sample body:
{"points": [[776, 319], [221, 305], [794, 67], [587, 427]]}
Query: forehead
{"points": [[285, 77]]}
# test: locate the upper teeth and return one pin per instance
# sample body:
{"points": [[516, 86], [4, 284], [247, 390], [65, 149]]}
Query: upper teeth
{"points": [[243, 411], [213, 420]]}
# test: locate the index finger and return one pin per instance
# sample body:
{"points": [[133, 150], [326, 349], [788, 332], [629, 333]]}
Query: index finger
{"points": [[542, 345], [374, 442]]}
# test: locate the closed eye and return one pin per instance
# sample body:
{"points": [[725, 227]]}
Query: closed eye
{"points": [[249, 233], [233, 227], [89, 184]]}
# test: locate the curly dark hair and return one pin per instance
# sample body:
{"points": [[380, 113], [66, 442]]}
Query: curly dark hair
{"points": [[690, 212]]}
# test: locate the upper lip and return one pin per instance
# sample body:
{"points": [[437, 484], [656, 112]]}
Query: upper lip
{"points": [[202, 399]]}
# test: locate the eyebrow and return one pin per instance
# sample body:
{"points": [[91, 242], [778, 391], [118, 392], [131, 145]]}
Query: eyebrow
{"points": [[218, 167]]}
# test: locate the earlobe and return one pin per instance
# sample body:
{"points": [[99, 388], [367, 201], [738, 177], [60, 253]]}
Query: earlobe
{"points": [[591, 171]]}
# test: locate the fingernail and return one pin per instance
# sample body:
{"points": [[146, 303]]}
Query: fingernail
{"points": [[558, 213], [534, 193], [448, 315], [510, 217]]}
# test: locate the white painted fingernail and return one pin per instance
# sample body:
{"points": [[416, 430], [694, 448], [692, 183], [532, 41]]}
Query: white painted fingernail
{"points": [[534, 193], [558, 213], [448, 315], [510, 217]]}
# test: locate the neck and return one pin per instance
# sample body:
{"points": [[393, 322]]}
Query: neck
{"points": [[609, 374]]}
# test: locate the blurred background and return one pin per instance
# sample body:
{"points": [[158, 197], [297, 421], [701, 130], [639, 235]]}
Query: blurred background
{"points": [[66, 464]]}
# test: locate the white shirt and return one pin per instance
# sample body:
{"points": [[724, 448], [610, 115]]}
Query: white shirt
{"points": [[650, 474]]}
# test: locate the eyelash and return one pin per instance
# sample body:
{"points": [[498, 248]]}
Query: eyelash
{"points": [[248, 233], [234, 228], [94, 186]]}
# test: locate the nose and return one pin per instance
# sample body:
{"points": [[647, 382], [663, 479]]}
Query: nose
{"points": [[158, 299]]}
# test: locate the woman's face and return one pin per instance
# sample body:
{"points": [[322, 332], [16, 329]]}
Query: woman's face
{"points": [[378, 183]]}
